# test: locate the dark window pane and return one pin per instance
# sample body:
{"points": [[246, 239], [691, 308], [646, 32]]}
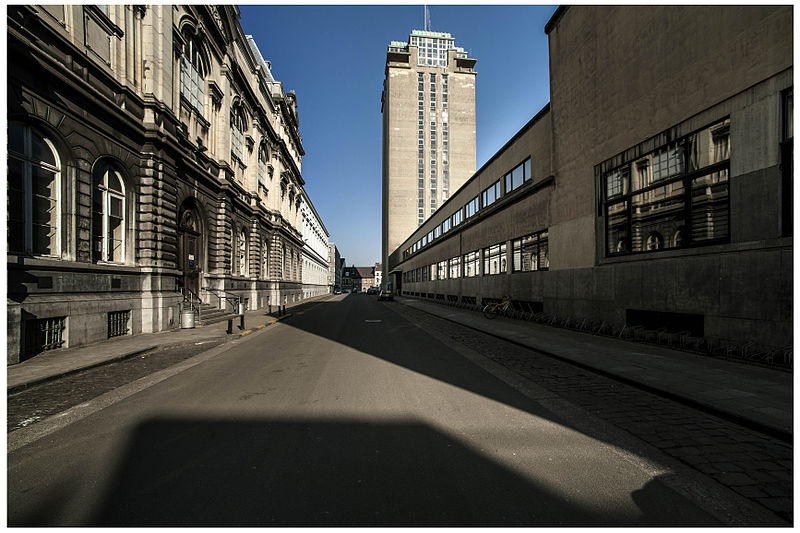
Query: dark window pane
{"points": [[114, 182], [44, 239], [40, 150], [16, 236], [710, 207], [16, 138], [44, 182], [617, 220], [16, 173]]}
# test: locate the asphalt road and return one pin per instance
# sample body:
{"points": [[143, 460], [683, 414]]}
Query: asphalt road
{"points": [[347, 413]]}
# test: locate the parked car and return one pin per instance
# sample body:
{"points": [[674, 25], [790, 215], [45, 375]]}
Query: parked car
{"points": [[372, 290], [386, 295]]}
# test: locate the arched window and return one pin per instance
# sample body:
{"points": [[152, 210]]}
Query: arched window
{"points": [[242, 253], [108, 215], [237, 132], [262, 166], [193, 72], [34, 193], [677, 238], [655, 241]]}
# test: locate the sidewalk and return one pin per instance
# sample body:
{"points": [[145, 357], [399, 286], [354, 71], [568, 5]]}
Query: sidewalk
{"points": [[50, 365], [756, 397]]}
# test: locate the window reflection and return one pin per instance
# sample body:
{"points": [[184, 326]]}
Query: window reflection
{"points": [[683, 181]]}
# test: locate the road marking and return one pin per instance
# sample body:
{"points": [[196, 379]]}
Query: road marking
{"points": [[373, 321]]}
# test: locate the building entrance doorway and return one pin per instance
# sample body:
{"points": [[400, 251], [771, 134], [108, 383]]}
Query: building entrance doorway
{"points": [[190, 247]]}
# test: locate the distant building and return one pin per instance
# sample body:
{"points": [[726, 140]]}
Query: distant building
{"points": [[378, 274], [428, 106], [358, 278], [315, 250], [654, 190], [335, 266]]}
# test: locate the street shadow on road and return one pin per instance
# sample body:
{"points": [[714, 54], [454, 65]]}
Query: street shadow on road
{"points": [[182, 472]]}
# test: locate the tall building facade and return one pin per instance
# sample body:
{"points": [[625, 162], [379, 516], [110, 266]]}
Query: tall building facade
{"points": [[154, 165], [428, 106], [642, 195]]}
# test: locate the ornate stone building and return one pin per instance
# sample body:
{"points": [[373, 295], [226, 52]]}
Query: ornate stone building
{"points": [[153, 161]]}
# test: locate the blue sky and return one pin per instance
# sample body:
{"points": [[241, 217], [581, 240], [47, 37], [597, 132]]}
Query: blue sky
{"points": [[333, 57]]}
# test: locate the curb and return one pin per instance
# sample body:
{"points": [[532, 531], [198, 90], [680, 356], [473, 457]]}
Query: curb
{"points": [[777, 433], [262, 326], [128, 355]]}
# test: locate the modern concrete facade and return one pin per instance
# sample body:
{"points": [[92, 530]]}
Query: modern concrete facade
{"points": [[428, 106], [315, 250], [155, 165], [655, 189]]}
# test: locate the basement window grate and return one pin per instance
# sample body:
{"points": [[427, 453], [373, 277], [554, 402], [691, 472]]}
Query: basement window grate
{"points": [[45, 334], [118, 323]]}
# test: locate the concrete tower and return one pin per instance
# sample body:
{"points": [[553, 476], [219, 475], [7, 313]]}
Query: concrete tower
{"points": [[428, 106]]}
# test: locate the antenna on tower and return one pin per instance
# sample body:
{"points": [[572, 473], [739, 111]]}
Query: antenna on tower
{"points": [[427, 18]]}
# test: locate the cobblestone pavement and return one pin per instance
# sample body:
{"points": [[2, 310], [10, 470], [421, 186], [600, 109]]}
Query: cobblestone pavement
{"points": [[38, 402], [754, 465]]}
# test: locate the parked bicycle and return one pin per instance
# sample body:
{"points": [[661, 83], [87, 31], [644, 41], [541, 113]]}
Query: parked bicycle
{"points": [[492, 310]]}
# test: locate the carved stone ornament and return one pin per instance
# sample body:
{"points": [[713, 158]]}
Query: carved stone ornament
{"points": [[217, 18]]}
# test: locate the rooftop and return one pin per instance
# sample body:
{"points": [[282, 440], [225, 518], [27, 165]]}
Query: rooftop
{"points": [[434, 34]]}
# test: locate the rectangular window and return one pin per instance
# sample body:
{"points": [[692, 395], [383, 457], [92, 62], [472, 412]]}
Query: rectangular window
{"points": [[471, 208], [455, 267], [471, 264], [530, 253], [491, 194], [433, 272], [446, 226], [519, 175], [457, 218], [494, 259], [441, 269], [673, 197]]}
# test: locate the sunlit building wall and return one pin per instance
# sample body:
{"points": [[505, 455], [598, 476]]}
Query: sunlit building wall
{"points": [[655, 189], [428, 106], [153, 160]]}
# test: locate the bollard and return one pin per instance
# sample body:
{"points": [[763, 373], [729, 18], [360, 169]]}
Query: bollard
{"points": [[241, 324], [230, 326], [284, 309], [270, 309]]}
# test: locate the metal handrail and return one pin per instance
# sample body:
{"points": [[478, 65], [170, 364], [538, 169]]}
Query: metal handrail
{"points": [[233, 300], [188, 295]]}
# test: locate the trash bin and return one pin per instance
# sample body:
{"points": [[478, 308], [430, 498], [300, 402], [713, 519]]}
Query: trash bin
{"points": [[241, 309], [187, 319]]}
